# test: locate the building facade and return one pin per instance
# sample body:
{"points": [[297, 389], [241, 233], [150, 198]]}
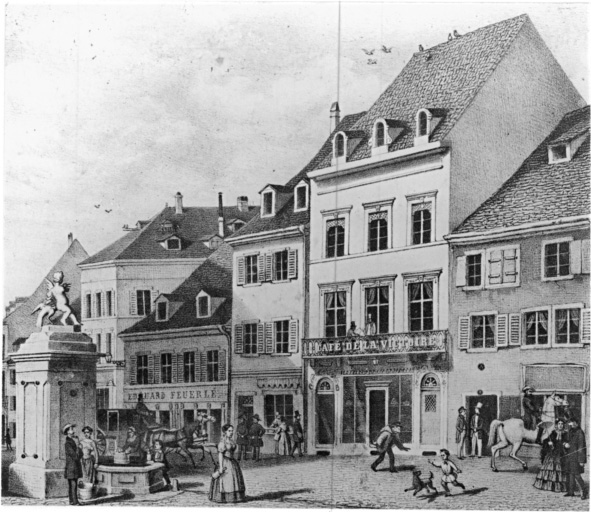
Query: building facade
{"points": [[121, 283], [396, 182], [520, 285]]}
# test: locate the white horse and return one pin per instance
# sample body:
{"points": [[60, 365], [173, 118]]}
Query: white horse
{"points": [[548, 419]]}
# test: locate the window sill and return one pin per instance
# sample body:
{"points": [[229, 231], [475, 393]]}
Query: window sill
{"points": [[481, 350], [251, 285], [569, 345], [328, 258], [536, 347], [280, 354], [472, 288], [280, 281], [248, 355], [496, 286], [558, 278]]}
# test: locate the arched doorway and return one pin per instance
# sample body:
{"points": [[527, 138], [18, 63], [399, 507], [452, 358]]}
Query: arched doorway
{"points": [[325, 413], [430, 410]]}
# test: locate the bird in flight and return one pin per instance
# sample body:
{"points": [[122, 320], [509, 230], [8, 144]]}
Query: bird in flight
{"points": [[372, 61], [109, 211], [368, 52], [97, 205], [385, 49]]}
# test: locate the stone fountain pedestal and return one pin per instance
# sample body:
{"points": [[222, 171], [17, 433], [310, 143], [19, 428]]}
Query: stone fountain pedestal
{"points": [[56, 385]]}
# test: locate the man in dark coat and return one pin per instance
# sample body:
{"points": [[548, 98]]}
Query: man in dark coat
{"points": [[8, 440], [73, 469], [255, 435], [297, 435], [242, 438], [461, 432], [575, 459], [531, 413], [477, 431], [388, 437]]}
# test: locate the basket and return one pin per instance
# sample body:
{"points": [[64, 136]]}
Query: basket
{"points": [[85, 491]]}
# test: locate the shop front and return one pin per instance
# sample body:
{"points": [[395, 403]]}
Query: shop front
{"points": [[356, 387]]}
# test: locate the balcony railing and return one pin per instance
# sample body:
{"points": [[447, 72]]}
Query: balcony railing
{"points": [[394, 343]]}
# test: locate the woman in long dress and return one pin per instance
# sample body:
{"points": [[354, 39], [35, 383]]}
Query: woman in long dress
{"points": [[283, 441], [551, 476], [89, 455], [227, 483]]}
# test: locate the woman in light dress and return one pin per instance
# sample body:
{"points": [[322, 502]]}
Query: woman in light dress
{"points": [[227, 483], [89, 456]]}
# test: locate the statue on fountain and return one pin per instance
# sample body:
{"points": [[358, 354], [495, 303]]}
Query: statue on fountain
{"points": [[56, 300]]}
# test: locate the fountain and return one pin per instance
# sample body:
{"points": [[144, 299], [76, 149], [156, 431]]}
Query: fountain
{"points": [[129, 478]]}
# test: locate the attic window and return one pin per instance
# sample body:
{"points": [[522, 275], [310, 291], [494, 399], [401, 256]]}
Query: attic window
{"points": [[173, 244], [203, 306], [162, 311], [301, 197], [339, 145], [268, 201], [422, 124], [380, 138], [167, 227], [559, 153]]}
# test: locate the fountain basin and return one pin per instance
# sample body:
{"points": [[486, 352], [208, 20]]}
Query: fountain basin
{"points": [[125, 479]]}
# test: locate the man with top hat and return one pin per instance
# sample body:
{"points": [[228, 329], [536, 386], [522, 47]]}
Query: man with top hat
{"points": [[297, 435], [575, 459], [461, 431], [242, 437], [73, 470], [477, 431], [531, 413], [255, 437], [388, 437]]}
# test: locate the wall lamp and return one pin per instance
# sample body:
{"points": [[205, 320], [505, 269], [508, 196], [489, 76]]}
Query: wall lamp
{"points": [[109, 359]]}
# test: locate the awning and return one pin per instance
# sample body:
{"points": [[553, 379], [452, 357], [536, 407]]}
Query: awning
{"points": [[279, 383]]}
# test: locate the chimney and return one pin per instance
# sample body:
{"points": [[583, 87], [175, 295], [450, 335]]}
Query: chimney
{"points": [[70, 239], [335, 116], [178, 203], [220, 215], [242, 203]]}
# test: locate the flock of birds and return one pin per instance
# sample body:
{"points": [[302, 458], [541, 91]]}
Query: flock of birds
{"points": [[386, 49], [97, 206]]}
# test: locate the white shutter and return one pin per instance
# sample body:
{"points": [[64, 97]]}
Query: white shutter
{"points": [[132, 303], [261, 268], [240, 270], [104, 304], [464, 332], [585, 266], [133, 370], [515, 329], [575, 257], [157, 366], [495, 266], [269, 266], [151, 369], [197, 360], [269, 337], [461, 271], [153, 296], [238, 339], [501, 330], [84, 306], [93, 305], [292, 264], [260, 338], [586, 326], [293, 336], [174, 362], [180, 361], [510, 265], [203, 366]]}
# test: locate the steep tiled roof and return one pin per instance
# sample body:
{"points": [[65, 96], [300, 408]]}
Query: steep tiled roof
{"points": [[445, 77], [540, 191], [214, 277], [193, 226], [286, 217]]}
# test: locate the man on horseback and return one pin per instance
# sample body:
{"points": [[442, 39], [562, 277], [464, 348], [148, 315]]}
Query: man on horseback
{"points": [[531, 413]]}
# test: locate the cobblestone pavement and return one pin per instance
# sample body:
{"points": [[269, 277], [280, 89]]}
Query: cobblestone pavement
{"points": [[306, 483]]}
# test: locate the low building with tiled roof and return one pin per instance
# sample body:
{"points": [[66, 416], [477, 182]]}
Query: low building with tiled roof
{"points": [[121, 282], [443, 136], [519, 294], [177, 356]]}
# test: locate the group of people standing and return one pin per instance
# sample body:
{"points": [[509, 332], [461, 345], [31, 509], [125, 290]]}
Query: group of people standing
{"points": [[370, 328], [81, 460], [472, 430]]}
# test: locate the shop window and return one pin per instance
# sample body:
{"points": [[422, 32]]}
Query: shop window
{"points": [[213, 365], [142, 369], [335, 314], [283, 404], [164, 419], [246, 407], [102, 398], [377, 308], [420, 306], [189, 367], [166, 368]]}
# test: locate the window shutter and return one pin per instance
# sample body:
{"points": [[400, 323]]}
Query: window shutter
{"points": [[501, 329], [153, 296], [238, 339], [132, 303], [585, 266], [197, 366], [269, 266], [157, 367], [174, 362], [292, 264], [113, 304], [151, 369], [269, 337], [180, 363], [109, 343], [222, 365], [93, 304], [461, 271], [203, 365], [240, 270], [261, 267], [260, 338], [515, 329], [133, 370], [495, 266], [509, 407], [464, 332], [83, 307], [510, 265], [586, 326], [575, 257], [104, 304], [293, 336]]}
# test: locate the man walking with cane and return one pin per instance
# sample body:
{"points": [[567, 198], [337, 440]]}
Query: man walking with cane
{"points": [[389, 436]]}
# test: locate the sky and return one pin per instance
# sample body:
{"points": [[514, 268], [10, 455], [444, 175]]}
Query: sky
{"points": [[122, 106]]}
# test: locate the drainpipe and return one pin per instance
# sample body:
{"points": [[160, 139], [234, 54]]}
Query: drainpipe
{"points": [[302, 230], [227, 332]]}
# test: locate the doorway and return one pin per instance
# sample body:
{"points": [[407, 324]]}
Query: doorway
{"points": [[430, 410], [377, 412], [325, 413], [489, 412]]}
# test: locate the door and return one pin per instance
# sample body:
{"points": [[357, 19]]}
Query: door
{"points": [[377, 419], [325, 413], [430, 410], [489, 412]]}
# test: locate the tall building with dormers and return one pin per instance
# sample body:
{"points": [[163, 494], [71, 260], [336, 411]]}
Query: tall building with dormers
{"points": [[121, 283], [441, 139]]}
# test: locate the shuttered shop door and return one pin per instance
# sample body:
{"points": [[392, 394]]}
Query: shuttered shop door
{"points": [[560, 377]]}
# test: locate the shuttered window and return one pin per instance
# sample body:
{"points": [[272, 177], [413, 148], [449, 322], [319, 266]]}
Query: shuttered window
{"points": [[282, 337], [166, 368], [142, 369], [189, 367], [251, 269], [536, 328], [503, 266], [280, 266], [482, 331], [293, 336], [213, 365]]}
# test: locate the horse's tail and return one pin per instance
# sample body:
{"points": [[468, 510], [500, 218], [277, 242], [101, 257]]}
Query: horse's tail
{"points": [[492, 435]]}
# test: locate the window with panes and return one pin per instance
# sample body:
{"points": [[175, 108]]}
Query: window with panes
{"points": [[340, 145], [421, 224], [250, 338], [282, 337], [161, 311], [568, 326], [143, 302], [377, 306], [335, 238], [251, 267], [280, 267], [378, 231], [557, 259], [474, 270], [335, 314], [268, 203], [166, 368], [213, 365], [189, 367], [88, 306], [283, 404], [483, 331], [203, 303], [99, 304], [109, 301], [102, 398], [142, 369], [420, 300], [380, 139], [536, 328]]}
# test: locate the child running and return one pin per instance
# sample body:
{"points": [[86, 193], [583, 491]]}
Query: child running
{"points": [[450, 471]]}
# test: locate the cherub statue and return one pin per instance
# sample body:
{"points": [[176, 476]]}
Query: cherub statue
{"points": [[56, 300]]}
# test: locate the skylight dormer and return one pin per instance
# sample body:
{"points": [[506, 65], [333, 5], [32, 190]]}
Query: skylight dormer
{"points": [[172, 243], [162, 309], [343, 145], [426, 120], [559, 153], [268, 202], [565, 147], [385, 131], [203, 304], [301, 196]]}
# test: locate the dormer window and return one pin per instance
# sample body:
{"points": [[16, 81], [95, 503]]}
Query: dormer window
{"points": [[301, 197], [268, 205], [203, 305], [559, 153], [162, 311], [380, 134], [422, 124], [339, 145], [167, 227], [173, 244]]}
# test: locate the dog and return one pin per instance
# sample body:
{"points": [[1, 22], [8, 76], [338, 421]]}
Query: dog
{"points": [[418, 483]]}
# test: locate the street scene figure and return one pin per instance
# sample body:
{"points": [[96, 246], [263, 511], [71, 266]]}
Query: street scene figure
{"points": [[450, 472], [575, 459], [160, 454], [370, 326], [389, 436], [282, 438], [461, 432], [552, 474], [133, 446], [531, 413], [255, 437], [89, 455], [242, 438], [477, 431], [297, 435], [8, 440], [73, 470], [227, 482]]}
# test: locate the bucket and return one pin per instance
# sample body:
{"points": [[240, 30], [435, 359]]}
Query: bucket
{"points": [[85, 491]]}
